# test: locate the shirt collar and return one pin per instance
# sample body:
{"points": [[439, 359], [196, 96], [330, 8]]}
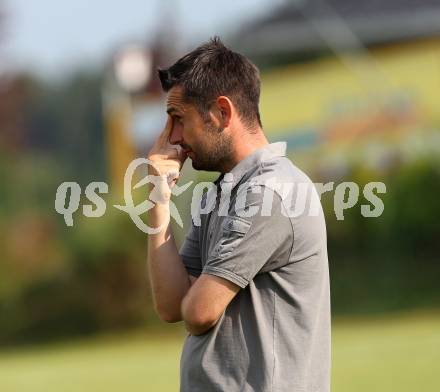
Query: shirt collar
{"points": [[262, 154]]}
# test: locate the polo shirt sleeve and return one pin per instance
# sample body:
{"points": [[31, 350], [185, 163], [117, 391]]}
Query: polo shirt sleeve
{"points": [[190, 251], [249, 245]]}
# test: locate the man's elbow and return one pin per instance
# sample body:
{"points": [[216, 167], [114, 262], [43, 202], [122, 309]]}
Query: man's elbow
{"points": [[199, 328], [198, 323]]}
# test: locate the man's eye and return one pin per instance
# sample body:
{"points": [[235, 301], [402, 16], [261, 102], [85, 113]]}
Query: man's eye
{"points": [[179, 119]]}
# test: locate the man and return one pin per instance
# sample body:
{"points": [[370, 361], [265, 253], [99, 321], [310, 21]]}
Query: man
{"points": [[251, 288]]}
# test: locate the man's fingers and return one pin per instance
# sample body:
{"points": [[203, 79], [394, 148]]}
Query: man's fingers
{"points": [[176, 152], [172, 152], [165, 135], [164, 166], [172, 177]]}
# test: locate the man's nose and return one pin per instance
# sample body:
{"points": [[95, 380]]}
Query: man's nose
{"points": [[176, 135]]}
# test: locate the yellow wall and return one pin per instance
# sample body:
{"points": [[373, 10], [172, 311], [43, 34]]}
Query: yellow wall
{"points": [[335, 93]]}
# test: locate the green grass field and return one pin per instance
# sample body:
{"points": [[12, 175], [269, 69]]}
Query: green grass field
{"points": [[397, 353]]}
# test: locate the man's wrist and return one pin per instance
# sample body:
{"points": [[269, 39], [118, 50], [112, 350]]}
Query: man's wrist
{"points": [[160, 191]]}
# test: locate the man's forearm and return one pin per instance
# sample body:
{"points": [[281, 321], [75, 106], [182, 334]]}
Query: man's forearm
{"points": [[205, 303], [168, 276]]}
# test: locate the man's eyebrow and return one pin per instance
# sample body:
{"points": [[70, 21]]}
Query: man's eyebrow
{"points": [[172, 110]]}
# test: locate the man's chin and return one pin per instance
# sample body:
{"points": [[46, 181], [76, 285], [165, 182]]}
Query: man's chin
{"points": [[197, 165]]}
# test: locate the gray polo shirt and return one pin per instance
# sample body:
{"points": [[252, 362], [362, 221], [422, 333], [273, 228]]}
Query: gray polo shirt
{"points": [[265, 231]]}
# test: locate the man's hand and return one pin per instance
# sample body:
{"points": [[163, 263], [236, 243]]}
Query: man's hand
{"points": [[169, 279], [168, 159]]}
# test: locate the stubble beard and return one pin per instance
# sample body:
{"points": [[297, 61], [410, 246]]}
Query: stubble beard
{"points": [[215, 152]]}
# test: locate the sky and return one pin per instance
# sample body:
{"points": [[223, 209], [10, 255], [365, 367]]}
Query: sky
{"points": [[53, 37]]}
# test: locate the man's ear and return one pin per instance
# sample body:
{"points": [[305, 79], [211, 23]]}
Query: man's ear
{"points": [[225, 109]]}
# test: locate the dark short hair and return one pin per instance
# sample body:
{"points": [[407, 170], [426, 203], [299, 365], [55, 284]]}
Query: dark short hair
{"points": [[212, 70]]}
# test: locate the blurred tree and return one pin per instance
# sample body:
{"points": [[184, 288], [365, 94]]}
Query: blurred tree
{"points": [[12, 122], [66, 120]]}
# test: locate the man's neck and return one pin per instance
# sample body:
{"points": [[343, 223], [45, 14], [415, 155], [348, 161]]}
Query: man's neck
{"points": [[244, 145]]}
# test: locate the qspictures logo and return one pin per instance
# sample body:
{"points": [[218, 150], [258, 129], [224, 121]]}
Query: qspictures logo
{"points": [[298, 198]]}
